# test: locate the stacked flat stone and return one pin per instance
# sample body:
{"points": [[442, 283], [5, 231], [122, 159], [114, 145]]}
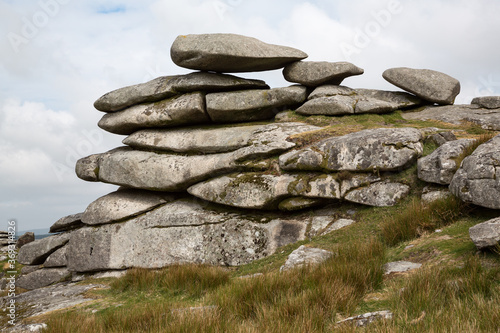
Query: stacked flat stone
{"points": [[4, 238], [208, 176]]}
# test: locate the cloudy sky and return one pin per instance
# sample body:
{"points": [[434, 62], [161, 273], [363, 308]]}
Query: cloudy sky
{"points": [[58, 56]]}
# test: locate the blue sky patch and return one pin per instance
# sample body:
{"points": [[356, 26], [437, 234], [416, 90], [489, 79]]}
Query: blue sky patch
{"points": [[112, 10]]}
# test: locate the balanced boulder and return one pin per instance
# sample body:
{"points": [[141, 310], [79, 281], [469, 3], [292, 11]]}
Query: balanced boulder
{"points": [[427, 84], [313, 74], [230, 53]]}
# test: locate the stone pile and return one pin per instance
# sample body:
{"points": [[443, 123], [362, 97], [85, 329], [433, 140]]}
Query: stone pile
{"points": [[209, 176], [4, 239]]}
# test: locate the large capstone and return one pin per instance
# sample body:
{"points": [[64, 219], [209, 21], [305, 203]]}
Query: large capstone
{"points": [[382, 149], [230, 53], [427, 84], [478, 179]]}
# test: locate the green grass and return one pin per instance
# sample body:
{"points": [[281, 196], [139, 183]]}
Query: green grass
{"points": [[455, 291], [447, 298], [454, 283], [417, 219]]}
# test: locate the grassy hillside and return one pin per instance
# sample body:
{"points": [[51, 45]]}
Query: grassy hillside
{"points": [[456, 290]]}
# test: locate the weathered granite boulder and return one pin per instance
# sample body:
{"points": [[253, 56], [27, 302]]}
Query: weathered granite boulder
{"points": [[30, 269], [67, 223], [188, 109], [42, 278], [478, 179], [180, 232], [329, 90], [398, 99], [36, 252], [315, 73], [169, 86], [427, 84], [252, 105], [434, 193], [374, 149], [263, 191], [193, 140], [442, 137], [440, 166], [457, 114], [488, 102], [147, 170], [44, 300], [28, 237], [328, 106], [381, 194], [230, 53], [57, 259], [248, 190], [217, 139], [337, 225], [305, 256], [122, 205], [339, 100], [367, 318], [87, 168], [486, 235], [400, 267]]}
